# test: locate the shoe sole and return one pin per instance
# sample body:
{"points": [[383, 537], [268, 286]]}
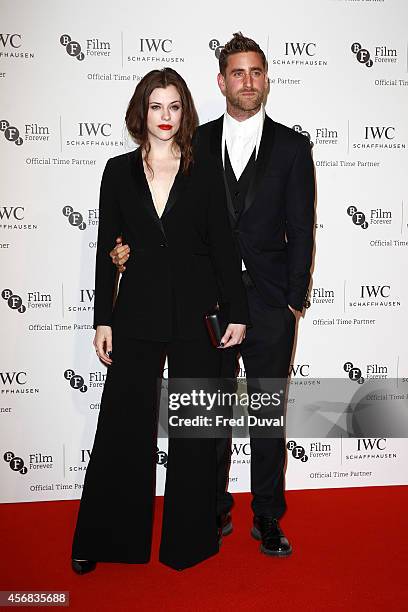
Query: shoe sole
{"points": [[256, 534], [80, 572]]}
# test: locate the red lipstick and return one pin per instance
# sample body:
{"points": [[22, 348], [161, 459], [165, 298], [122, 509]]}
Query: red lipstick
{"points": [[165, 126]]}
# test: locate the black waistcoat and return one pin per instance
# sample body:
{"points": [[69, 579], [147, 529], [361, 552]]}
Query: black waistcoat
{"points": [[238, 188]]}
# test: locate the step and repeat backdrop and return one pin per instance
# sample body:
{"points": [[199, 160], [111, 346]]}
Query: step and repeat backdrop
{"points": [[338, 73]]}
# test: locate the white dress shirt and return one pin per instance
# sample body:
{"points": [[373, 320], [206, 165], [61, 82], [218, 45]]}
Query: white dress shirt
{"points": [[241, 138]]}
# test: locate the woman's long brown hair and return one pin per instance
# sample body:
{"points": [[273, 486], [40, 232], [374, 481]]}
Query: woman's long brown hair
{"points": [[136, 114]]}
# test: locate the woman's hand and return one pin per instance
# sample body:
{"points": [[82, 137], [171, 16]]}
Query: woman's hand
{"points": [[103, 343], [234, 334], [120, 254]]}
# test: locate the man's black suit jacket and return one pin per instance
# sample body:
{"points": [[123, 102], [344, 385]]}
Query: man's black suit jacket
{"points": [[275, 229], [181, 264]]}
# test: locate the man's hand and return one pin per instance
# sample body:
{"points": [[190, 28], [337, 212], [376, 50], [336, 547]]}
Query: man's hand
{"points": [[234, 334], [120, 254], [103, 343]]}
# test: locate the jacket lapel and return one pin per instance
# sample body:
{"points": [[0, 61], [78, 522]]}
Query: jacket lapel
{"points": [[215, 140], [215, 147], [175, 191], [264, 153], [142, 187], [229, 199]]}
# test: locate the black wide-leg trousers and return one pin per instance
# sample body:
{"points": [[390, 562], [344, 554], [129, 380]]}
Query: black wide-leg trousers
{"points": [[116, 511], [266, 353]]}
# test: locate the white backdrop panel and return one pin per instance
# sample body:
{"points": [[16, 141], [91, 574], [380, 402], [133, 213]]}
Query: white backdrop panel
{"points": [[62, 118]]}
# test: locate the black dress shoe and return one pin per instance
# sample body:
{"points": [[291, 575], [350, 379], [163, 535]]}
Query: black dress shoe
{"points": [[225, 523], [82, 567], [273, 540]]}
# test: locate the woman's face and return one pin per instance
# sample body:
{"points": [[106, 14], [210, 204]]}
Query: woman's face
{"points": [[164, 114]]}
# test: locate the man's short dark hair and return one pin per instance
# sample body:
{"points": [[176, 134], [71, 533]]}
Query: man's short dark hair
{"points": [[239, 44]]}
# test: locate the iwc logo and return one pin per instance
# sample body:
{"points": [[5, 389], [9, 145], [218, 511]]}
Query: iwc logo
{"points": [[153, 50], [10, 46], [299, 54]]}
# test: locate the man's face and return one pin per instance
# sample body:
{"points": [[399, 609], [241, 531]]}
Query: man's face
{"points": [[245, 82]]}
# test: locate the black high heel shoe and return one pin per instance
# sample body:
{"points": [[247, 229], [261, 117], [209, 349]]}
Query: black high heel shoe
{"points": [[83, 566]]}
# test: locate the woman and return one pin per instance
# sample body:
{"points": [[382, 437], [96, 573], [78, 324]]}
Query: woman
{"points": [[173, 216]]}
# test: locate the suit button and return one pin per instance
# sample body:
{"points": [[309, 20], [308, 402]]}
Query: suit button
{"points": [[163, 244], [236, 194]]}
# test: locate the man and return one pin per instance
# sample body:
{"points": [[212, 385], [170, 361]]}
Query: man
{"points": [[269, 181]]}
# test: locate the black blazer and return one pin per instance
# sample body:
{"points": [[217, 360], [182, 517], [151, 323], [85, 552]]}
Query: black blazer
{"points": [[275, 229], [181, 264]]}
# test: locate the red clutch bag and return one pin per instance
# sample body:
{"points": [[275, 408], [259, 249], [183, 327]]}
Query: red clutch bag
{"points": [[216, 326]]}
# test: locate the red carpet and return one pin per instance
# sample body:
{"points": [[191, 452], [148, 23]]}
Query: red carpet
{"points": [[350, 553]]}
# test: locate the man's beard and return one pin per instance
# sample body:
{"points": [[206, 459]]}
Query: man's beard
{"points": [[245, 103]]}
